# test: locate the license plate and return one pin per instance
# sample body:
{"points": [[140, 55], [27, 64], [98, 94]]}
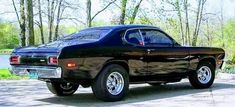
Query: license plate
{"points": [[33, 74]]}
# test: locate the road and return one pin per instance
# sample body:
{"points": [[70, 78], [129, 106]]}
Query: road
{"points": [[23, 93]]}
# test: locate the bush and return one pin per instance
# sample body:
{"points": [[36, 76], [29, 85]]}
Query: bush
{"points": [[229, 69], [233, 59], [9, 36]]}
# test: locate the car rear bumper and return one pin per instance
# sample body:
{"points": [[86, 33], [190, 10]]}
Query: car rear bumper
{"points": [[42, 71]]}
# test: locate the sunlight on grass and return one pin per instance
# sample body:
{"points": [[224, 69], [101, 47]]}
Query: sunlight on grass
{"points": [[6, 75]]}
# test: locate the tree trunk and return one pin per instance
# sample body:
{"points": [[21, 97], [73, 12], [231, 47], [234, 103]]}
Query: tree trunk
{"points": [[135, 12], [187, 31], [123, 12], [180, 19], [208, 32], [40, 22], [88, 11], [198, 21], [58, 20], [50, 10], [222, 23], [21, 21], [30, 22]]}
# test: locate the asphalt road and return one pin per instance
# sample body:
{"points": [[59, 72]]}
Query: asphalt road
{"points": [[34, 93]]}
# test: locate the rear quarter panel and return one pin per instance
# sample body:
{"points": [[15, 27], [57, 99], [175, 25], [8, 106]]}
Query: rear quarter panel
{"points": [[199, 53]]}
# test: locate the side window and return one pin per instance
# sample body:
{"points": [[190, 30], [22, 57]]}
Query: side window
{"points": [[133, 37], [155, 38]]}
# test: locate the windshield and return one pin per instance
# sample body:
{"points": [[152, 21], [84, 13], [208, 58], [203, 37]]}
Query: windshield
{"points": [[94, 34]]}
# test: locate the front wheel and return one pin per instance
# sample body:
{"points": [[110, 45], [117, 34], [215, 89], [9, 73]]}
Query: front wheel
{"points": [[204, 76], [111, 84], [62, 89]]}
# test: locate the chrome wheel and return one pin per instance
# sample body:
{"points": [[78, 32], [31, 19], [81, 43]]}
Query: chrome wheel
{"points": [[66, 86], [204, 74], [115, 83]]}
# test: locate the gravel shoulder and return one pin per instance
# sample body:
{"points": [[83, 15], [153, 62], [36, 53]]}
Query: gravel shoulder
{"points": [[35, 93]]}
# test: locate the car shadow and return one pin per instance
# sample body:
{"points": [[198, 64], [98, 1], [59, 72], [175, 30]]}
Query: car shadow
{"points": [[136, 94]]}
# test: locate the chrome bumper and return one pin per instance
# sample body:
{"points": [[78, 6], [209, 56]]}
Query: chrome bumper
{"points": [[42, 71]]}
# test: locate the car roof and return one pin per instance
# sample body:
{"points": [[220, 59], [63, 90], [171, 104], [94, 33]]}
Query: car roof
{"points": [[122, 27]]}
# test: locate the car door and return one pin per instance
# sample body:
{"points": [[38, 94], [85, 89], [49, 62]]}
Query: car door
{"points": [[135, 52], [162, 55]]}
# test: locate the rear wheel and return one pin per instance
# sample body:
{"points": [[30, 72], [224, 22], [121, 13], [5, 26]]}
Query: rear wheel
{"points": [[204, 76], [111, 84], [62, 89]]}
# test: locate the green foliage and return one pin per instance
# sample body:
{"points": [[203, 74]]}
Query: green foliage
{"points": [[9, 36], [5, 74], [5, 51], [229, 69], [229, 38], [233, 59]]}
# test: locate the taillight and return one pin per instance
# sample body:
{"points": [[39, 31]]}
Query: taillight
{"points": [[53, 60], [15, 59]]}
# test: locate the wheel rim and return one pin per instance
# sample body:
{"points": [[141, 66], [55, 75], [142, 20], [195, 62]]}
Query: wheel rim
{"points": [[115, 83], [204, 74], [66, 86]]}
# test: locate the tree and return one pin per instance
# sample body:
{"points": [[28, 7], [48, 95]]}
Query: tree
{"points": [[123, 11], [222, 22], [50, 16], [187, 29], [40, 24], [59, 14], [30, 26], [9, 35], [90, 18], [21, 21], [135, 12], [88, 12], [199, 14], [177, 7]]}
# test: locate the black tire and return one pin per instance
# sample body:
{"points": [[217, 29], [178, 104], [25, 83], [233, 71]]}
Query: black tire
{"points": [[59, 89], [155, 84], [194, 76], [100, 87]]}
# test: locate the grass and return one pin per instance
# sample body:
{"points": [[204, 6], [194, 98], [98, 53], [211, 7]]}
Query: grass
{"points": [[6, 75], [5, 51]]}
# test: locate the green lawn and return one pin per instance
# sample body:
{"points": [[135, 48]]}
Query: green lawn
{"points": [[5, 51], [6, 75]]}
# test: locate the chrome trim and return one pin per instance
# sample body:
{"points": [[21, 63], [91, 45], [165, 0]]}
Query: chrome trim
{"points": [[42, 71], [148, 28], [142, 37]]}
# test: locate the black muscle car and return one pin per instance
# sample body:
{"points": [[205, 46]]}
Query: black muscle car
{"points": [[110, 58]]}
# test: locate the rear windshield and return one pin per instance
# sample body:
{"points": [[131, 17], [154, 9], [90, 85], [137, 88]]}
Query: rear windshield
{"points": [[94, 34]]}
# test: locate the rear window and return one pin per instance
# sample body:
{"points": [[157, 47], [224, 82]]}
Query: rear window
{"points": [[94, 34]]}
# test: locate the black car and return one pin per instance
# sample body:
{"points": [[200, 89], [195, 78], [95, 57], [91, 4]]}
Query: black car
{"points": [[110, 58]]}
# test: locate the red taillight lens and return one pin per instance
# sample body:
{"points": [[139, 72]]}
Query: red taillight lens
{"points": [[15, 59], [53, 60]]}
